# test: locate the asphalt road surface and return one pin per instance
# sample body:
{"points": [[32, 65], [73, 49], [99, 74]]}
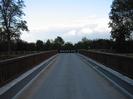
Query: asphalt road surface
{"points": [[70, 78]]}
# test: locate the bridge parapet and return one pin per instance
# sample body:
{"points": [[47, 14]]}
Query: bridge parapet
{"points": [[119, 63], [12, 68]]}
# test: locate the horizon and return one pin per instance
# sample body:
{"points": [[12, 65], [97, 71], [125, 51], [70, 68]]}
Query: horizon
{"points": [[71, 20]]}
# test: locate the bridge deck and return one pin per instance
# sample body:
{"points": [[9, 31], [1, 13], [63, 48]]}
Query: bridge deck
{"points": [[70, 78]]}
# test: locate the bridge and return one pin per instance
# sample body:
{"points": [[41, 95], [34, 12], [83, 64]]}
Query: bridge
{"points": [[69, 76]]}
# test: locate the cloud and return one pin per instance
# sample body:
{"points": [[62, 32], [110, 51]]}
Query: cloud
{"points": [[70, 33], [71, 29]]}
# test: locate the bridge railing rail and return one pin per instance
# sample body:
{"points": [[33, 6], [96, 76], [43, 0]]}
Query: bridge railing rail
{"points": [[120, 63], [12, 68]]}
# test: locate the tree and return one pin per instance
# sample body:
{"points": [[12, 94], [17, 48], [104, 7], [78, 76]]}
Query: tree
{"points": [[83, 44], [21, 45], [84, 39], [39, 45], [1, 35], [68, 46], [121, 21], [48, 45], [11, 19], [58, 42]]}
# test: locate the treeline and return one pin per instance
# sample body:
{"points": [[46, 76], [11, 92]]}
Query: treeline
{"points": [[121, 24], [105, 45], [58, 43], [39, 45]]}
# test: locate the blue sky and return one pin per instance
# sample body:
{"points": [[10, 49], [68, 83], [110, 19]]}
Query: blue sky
{"points": [[70, 19]]}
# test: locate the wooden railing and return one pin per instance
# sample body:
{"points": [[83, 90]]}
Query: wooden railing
{"points": [[12, 68], [119, 63]]}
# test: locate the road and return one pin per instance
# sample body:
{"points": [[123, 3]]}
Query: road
{"points": [[70, 78]]}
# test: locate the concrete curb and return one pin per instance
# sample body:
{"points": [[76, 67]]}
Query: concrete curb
{"points": [[12, 88], [122, 82]]}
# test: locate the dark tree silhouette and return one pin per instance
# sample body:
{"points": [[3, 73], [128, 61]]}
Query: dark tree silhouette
{"points": [[39, 45], [68, 46], [20, 45], [48, 45], [121, 22], [11, 21], [83, 44], [2, 37], [58, 42]]}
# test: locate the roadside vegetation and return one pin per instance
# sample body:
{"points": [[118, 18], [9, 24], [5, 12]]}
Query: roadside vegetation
{"points": [[12, 25]]}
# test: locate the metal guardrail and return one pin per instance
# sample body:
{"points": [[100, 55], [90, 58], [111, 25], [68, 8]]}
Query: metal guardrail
{"points": [[12, 68]]}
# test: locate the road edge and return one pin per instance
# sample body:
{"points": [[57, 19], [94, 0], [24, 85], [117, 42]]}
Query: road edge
{"points": [[127, 80], [33, 73]]}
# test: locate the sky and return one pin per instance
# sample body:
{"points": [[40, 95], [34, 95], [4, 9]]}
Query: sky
{"points": [[70, 19]]}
